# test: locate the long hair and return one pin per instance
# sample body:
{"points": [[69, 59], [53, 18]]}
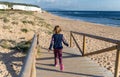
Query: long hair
{"points": [[57, 29]]}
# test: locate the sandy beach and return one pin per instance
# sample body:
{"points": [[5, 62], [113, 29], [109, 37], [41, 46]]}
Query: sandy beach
{"points": [[11, 60]]}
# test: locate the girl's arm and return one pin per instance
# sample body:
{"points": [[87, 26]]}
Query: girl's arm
{"points": [[51, 43], [64, 41]]}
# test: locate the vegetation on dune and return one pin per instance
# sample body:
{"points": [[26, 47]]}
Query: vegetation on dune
{"points": [[21, 20], [24, 30], [14, 23], [7, 44], [26, 12], [10, 44], [23, 46], [7, 27], [16, 28], [28, 22], [5, 20]]}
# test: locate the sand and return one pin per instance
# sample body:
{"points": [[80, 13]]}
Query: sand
{"points": [[11, 61]]}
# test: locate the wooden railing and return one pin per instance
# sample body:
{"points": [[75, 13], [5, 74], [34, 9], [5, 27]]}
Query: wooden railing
{"points": [[29, 68], [117, 47]]}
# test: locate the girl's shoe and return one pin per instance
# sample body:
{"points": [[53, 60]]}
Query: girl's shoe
{"points": [[61, 67], [56, 62], [56, 65]]}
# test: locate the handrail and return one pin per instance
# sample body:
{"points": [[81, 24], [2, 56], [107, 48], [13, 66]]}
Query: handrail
{"points": [[28, 69], [117, 46], [99, 37]]}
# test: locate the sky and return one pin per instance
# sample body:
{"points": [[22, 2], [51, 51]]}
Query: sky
{"points": [[97, 5]]}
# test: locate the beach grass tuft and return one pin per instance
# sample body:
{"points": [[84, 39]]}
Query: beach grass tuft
{"points": [[5, 20], [7, 44], [7, 27], [14, 23], [28, 22], [24, 30], [23, 46], [26, 12]]}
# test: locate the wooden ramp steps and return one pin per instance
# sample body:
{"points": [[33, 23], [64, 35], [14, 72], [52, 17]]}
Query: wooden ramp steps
{"points": [[75, 65]]}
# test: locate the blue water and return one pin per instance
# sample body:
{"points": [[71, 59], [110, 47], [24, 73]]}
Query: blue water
{"points": [[110, 18]]}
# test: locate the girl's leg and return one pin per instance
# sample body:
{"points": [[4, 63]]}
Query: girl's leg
{"points": [[60, 60], [55, 57], [60, 56]]}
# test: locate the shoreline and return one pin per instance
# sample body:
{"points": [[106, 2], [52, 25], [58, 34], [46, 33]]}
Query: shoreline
{"points": [[86, 19]]}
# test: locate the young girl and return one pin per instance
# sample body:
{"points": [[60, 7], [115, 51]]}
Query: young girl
{"points": [[56, 42]]}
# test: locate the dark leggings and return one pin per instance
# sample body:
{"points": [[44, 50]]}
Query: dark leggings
{"points": [[58, 55]]}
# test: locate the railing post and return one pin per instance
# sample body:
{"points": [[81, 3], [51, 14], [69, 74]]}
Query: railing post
{"points": [[70, 39], [37, 39], [84, 45], [116, 74]]}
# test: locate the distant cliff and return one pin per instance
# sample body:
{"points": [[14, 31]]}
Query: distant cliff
{"points": [[10, 4], [19, 6]]}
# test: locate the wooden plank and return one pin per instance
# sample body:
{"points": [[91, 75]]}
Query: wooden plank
{"points": [[101, 51], [117, 63], [77, 44], [84, 45], [70, 39], [99, 37], [33, 70], [75, 65]]}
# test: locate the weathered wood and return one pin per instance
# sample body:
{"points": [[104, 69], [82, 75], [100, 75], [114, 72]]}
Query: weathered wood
{"points": [[28, 63], [84, 45], [99, 37], [117, 63], [103, 50], [38, 39], [75, 65], [77, 44], [33, 70], [70, 39]]}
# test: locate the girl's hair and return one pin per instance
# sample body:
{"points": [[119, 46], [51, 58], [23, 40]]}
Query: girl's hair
{"points": [[57, 29]]}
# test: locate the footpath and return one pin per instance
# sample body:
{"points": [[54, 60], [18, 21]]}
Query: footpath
{"points": [[75, 65]]}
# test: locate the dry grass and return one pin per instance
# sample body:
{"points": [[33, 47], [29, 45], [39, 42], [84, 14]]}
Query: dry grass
{"points": [[24, 30]]}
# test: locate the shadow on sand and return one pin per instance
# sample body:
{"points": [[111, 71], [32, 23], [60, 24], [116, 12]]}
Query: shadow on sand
{"points": [[8, 59]]}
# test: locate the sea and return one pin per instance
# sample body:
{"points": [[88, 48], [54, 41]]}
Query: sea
{"points": [[108, 18]]}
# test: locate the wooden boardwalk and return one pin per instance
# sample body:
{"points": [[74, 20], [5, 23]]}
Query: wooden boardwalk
{"points": [[75, 65]]}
